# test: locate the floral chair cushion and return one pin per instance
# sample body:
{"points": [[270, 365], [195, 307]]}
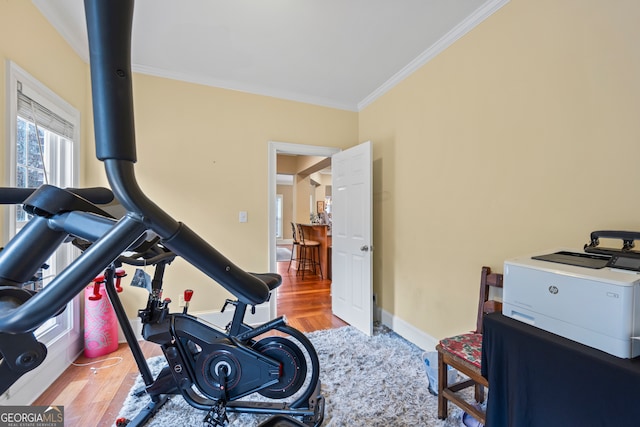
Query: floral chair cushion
{"points": [[466, 346]]}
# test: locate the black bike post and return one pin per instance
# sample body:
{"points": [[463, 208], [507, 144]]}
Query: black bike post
{"points": [[127, 330], [156, 400]]}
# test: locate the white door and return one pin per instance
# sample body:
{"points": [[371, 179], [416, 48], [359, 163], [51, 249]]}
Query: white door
{"points": [[351, 229]]}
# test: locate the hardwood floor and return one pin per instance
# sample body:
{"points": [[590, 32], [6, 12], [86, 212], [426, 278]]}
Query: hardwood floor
{"points": [[93, 398], [305, 302]]}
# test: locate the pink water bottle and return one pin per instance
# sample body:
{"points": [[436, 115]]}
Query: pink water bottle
{"points": [[100, 322]]}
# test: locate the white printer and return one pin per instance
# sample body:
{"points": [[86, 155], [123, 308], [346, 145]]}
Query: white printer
{"points": [[589, 298]]}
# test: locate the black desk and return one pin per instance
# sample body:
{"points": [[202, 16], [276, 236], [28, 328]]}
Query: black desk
{"points": [[540, 379]]}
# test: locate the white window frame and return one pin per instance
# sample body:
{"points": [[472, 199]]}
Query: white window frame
{"points": [[63, 337], [279, 221]]}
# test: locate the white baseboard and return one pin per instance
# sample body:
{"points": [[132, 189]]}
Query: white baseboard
{"points": [[423, 340]]}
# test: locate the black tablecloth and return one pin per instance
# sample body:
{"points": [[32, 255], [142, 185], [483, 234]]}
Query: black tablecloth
{"points": [[541, 379]]}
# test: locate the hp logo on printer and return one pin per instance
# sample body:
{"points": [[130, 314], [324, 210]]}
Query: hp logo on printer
{"points": [[553, 289]]}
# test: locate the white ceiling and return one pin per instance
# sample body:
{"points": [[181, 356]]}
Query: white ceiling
{"points": [[336, 53]]}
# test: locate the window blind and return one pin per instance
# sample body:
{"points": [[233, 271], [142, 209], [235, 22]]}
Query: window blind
{"points": [[32, 111]]}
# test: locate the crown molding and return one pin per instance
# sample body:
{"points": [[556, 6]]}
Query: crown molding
{"points": [[444, 42]]}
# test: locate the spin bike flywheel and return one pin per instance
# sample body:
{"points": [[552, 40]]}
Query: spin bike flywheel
{"points": [[293, 366]]}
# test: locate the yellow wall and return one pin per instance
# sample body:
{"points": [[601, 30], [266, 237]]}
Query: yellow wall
{"points": [[287, 165], [520, 137]]}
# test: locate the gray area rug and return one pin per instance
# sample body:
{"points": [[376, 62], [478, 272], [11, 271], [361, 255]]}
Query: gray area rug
{"points": [[366, 381]]}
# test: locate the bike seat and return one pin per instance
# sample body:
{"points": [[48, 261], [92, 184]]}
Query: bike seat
{"points": [[272, 280]]}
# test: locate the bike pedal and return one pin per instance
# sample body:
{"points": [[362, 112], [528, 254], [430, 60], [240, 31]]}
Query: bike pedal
{"points": [[217, 416]]}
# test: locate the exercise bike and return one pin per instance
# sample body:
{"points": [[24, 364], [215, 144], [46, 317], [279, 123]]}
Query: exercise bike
{"points": [[266, 369], [213, 369]]}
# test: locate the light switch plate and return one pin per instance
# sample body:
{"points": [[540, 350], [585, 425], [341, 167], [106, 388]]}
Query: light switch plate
{"points": [[242, 217]]}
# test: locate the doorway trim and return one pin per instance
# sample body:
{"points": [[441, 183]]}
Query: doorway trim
{"points": [[276, 148]]}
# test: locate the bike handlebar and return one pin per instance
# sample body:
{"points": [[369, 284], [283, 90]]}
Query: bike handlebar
{"points": [[17, 196]]}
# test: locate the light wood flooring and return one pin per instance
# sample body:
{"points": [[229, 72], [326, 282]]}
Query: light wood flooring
{"points": [[94, 399]]}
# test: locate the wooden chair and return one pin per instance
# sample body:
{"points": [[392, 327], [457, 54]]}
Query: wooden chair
{"points": [[463, 352], [309, 255]]}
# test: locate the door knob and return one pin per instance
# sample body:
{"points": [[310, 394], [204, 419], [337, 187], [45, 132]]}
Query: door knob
{"points": [[364, 248]]}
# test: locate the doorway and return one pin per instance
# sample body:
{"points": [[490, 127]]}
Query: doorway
{"points": [[276, 148]]}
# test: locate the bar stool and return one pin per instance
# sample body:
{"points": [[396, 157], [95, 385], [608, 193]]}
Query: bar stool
{"points": [[295, 253], [308, 249]]}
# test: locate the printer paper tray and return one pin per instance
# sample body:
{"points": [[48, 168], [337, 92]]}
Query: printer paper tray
{"points": [[624, 348]]}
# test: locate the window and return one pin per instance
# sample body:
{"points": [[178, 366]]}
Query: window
{"points": [[41, 152], [279, 234], [42, 148]]}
